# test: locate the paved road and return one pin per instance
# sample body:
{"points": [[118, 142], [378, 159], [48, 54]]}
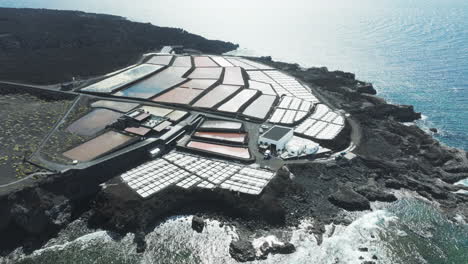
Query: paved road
{"points": [[26, 178], [52, 87]]}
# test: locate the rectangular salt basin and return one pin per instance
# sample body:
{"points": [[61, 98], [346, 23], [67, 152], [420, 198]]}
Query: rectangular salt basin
{"points": [[182, 61], [155, 84], [233, 76], [93, 122], [177, 115], [199, 84], [141, 131], [221, 125], [236, 152], [161, 60], [206, 73], [285, 102], [239, 63], [98, 146], [260, 107], [320, 110], [178, 96], [119, 80], [216, 96], [256, 64], [277, 115], [239, 100], [162, 126], [142, 116], [262, 87], [230, 137], [221, 61], [260, 76], [201, 61]]}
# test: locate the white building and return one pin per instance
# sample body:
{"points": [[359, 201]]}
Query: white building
{"points": [[276, 136], [297, 147]]}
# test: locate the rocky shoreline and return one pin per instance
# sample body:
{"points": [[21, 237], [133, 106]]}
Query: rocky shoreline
{"points": [[390, 155]]}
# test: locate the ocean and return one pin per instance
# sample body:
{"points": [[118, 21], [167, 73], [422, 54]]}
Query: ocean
{"points": [[407, 231], [413, 51]]}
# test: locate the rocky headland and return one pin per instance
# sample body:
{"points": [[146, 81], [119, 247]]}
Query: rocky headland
{"points": [[392, 153], [50, 46]]}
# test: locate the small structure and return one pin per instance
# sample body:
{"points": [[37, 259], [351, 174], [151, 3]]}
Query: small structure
{"points": [[154, 152], [297, 147], [277, 136]]}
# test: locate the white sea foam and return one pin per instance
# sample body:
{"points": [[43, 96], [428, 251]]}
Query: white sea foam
{"points": [[340, 243], [83, 241], [270, 240], [460, 219], [462, 182]]}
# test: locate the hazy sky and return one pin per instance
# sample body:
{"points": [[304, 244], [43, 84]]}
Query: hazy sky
{"points": [[230, 20], [284, 29], [213, 18]]}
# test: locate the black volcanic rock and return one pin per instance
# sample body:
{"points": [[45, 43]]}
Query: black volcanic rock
{"points": [[31, 220], [374, 193], [275, 248], [242, 250], [401, 113], [350, 200], [37, 210], [284, 173], [367, 88], [5, 214], [323, 77], [286, 248], [140, 241], [198, 223]]}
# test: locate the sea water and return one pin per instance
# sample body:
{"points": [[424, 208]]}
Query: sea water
{"points": [[413, 51], [407, 231]]}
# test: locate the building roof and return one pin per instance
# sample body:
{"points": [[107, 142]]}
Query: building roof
{"points": [[276, 133]]}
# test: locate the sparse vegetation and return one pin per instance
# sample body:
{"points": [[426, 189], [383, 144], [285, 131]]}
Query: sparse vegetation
{"points": [[25, 120]]}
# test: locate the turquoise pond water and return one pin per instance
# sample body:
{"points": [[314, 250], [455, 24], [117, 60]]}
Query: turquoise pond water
{"points": [[413, 51]]}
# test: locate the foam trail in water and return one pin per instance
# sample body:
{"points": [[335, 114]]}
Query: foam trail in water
{"points": [[343, 245]]}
